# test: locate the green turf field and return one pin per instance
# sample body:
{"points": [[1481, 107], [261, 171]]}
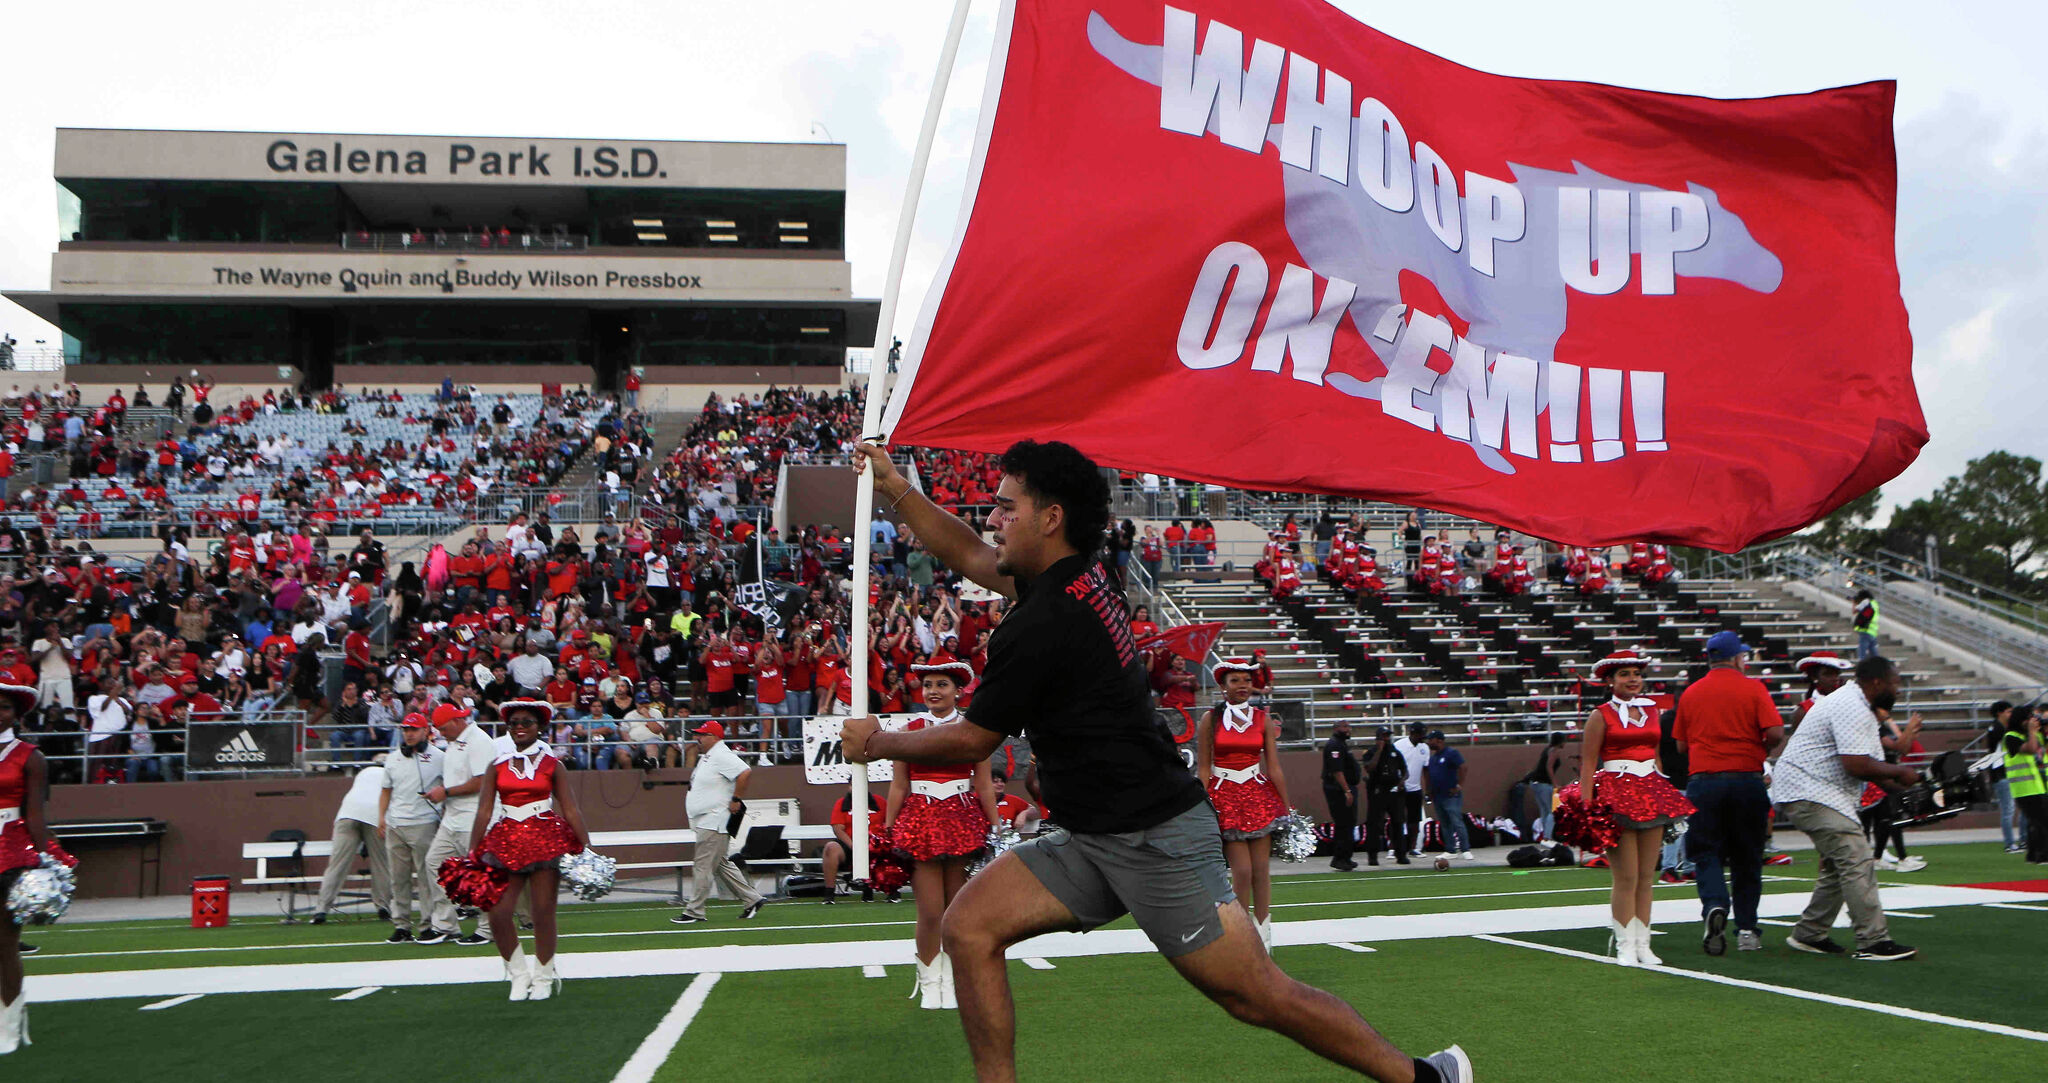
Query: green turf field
{"points": [[1491, 958]]}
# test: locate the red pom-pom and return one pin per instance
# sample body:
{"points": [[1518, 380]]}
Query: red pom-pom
{"points": [[1592, 830], [468, 881], [56, 849], [886, 871]]}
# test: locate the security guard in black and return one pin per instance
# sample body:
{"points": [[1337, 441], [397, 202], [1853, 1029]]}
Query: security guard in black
{"points": [[1340, 793], [1064, 670]]}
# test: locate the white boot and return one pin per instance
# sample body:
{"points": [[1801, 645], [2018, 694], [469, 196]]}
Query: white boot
{"points": [[14, 1024], [1266, 934], [545, 982], [947, 1000], [1641, 932], [520, 974], [1624, 944], [926, 992]]}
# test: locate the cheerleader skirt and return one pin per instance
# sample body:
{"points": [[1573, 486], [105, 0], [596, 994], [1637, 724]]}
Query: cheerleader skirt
{"points": [[16, 851], [1246, 810], [524, 845], [1631, 802], [929, 829]]}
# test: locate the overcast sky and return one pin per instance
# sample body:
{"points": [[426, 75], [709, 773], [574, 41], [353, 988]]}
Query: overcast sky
{"points": [[1972, 119]]}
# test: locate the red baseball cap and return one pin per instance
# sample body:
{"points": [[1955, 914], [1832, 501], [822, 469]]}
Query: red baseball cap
{"points": [[414, 721], [715, 729], [448, 712]]}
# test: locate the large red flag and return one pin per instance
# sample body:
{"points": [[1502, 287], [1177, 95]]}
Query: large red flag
{"points": [[1255, 242]]}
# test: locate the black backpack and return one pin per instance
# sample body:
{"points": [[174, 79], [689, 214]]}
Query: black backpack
{"points": [[1526, 857]]}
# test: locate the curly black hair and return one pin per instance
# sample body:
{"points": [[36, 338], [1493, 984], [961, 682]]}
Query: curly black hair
{"points": [[1057, 473]]}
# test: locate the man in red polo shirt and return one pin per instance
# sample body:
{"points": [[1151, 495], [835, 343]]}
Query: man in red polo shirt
{"points": [[1726, 726]]}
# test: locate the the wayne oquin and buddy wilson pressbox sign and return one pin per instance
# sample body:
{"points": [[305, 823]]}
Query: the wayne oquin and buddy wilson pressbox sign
{"points": [[374, 277]]}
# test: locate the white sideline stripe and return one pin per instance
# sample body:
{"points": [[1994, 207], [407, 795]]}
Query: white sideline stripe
{"points": [[358, 994], [428, 969], [1476, 895], [2018, 906], [171, 1003], [1801, 994], [1036, 963], [1904, 914], [693, 930], [873, 971], [1360, 948], [655, 1048], [1779, 924]]}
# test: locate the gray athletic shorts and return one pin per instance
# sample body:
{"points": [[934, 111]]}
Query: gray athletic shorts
{"points": [[1170, 877]]}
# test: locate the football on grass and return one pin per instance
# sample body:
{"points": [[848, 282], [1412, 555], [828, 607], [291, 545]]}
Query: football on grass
{"points": [[1443, 863]]}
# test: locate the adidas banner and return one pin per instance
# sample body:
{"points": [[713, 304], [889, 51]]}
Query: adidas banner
{"points": [[241, 745]]}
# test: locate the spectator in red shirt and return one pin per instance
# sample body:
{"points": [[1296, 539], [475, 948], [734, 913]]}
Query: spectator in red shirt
{"points": [[1726, 726]]}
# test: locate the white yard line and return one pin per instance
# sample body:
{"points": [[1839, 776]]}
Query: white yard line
{"points": [[358, 994], [1360, 948], [425, 969], [2018, 906], [172, 1003], [874, 970], [1782, 990], [661, 1041], [1037, 963]]}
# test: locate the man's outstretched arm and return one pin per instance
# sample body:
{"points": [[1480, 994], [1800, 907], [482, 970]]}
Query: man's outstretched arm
{"points": [[955, 543], [864, 741]]}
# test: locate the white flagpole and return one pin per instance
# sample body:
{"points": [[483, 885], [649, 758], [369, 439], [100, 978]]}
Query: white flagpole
{"points": [[878, 371]]}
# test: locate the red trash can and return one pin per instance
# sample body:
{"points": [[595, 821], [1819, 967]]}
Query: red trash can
{"points": [[209, 902]]}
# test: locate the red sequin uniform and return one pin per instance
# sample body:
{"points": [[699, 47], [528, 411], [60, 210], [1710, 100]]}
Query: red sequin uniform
{"points": [[1625, 799], [16, 851], [1248, 808], [929, 828], [519, 844]]}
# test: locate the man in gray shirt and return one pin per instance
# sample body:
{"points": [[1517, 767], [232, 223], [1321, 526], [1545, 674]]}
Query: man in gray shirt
{"points": [[407, 822]]}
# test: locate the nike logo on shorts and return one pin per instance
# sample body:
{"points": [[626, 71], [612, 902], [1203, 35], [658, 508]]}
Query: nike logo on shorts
{"points": [[1192, 935]]}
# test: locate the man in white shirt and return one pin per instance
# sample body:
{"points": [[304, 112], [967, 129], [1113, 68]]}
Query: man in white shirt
{"points": [[52, 656], [1414, 756], [407, 824], [717, 781], [355, 828], [531, 669], [1819, 781], [467, 760]]}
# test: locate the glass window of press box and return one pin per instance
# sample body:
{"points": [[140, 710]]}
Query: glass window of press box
{"points": [[203, 211], [462, 335], [738, 336], [177, 334], [714, 218]]}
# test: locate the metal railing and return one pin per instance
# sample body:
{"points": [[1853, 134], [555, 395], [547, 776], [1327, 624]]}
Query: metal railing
{"points": [[466, 241], [1925, 605]]}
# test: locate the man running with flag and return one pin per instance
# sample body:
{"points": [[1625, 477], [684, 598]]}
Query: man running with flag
{"points": [[1136, 835]]}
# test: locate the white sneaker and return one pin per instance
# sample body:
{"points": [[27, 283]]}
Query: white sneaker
{"points": [[1887, 864], [1749, 940], [1913, 863], [1467, 856]]}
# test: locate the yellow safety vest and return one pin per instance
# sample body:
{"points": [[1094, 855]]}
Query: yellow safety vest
{"points": [[2022, 772]]}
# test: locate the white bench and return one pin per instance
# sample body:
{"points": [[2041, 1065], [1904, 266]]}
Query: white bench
{"points": [[262, 853]]}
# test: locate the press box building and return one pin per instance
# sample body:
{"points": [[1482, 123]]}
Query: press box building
{"points": [[382, 260]]}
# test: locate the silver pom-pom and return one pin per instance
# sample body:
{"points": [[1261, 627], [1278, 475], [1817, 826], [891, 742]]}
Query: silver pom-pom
{"points": [[42, 894], [1294, 837], [589, 875], [1000, 838]]}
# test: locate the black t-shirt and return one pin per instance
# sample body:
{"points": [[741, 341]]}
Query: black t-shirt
{"points": [[1064, 671]]}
